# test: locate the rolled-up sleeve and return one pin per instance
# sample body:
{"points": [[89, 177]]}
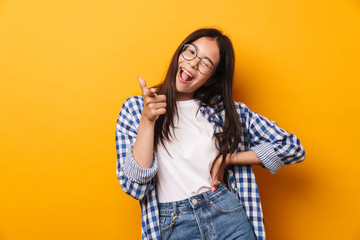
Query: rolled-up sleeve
{"points": [[266, 153], [134, 180], [136, 173], [274, 146]]}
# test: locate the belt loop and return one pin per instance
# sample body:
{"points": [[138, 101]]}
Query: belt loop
{"points": [[173, 214], [174, 208], [206, 198]]}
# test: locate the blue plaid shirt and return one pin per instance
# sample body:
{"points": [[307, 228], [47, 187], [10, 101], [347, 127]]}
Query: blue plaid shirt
{"points": [[274, 146]]}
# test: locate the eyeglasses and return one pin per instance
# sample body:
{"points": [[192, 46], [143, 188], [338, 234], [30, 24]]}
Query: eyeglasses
{"points": [[205, 66]]}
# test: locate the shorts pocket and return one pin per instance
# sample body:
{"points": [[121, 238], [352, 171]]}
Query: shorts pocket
{"points": [[227, 203]]}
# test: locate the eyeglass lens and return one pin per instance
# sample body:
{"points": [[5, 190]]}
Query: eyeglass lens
{"points": [[189, 52]]}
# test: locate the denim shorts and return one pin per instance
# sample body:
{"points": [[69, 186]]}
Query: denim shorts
{"points": [[218, 215]]}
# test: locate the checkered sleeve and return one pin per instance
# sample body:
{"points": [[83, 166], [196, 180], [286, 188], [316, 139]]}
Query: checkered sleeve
{"points": [[274, 146], [134, 180]]}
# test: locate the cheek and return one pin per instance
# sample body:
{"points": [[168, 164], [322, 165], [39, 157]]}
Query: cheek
{"points": [[180, 59]]}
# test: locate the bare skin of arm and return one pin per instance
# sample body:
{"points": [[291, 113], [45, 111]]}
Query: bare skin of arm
{"points": [[241, 158], [154, 106]]}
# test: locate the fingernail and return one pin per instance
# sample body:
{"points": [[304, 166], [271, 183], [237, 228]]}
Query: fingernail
{"points": [[213, 189]]}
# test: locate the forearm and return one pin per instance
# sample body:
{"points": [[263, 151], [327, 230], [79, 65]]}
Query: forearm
{"points": [[244, 158], [144, 145]]}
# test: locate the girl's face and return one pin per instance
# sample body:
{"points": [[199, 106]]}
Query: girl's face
{"points": [[188, 77]]}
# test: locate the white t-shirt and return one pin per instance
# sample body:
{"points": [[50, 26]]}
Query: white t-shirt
{"points": [[186, 171]]}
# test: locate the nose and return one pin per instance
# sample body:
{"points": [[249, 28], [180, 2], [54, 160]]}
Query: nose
{"points": [[195, 63]]}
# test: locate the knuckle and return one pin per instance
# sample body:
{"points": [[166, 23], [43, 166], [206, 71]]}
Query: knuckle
{"points": [[161, 98], [147, 101]]}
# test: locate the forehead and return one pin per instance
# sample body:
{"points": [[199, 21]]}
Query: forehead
{"points": [[208, 47]]}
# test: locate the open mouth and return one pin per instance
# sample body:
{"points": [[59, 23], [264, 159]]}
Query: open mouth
{"points": [[185, 76]]}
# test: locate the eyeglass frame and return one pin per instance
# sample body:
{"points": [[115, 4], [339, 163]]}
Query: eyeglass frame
{"points": [[196, 56]]}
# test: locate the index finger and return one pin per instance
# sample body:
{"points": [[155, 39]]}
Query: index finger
{"points": [[143, 86]]}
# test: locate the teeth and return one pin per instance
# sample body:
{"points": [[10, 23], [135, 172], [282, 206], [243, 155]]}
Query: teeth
{"points": [[187, 73]]}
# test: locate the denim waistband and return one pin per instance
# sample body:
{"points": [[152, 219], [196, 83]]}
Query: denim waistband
{"points": [[196, 200]]}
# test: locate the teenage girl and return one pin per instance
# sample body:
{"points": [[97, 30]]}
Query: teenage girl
{"points": [[185, 149]]}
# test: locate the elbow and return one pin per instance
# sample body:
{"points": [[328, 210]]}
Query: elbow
{"points": [[133, 189], [302, 155], [299, 153], [126, 186], [131, 193]]}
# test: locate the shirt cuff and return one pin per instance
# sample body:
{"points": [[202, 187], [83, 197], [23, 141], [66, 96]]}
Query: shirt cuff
{"points": [[268, 157], [134, 172]]}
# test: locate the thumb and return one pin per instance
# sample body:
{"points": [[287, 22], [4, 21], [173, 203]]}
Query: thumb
{"points": [[143, 86], [214, 182]]}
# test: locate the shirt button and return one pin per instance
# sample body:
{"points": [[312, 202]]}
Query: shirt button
{"points": [[230, 173], [194, 201]]}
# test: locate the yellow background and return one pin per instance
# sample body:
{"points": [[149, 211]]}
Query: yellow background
{"points": [[67, 66]]}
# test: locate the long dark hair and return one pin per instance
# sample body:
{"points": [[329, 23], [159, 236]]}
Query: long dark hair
{"points": [[217, 90]]}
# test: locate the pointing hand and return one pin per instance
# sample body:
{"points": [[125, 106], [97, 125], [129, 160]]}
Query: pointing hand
{"points": [[154, 105]]}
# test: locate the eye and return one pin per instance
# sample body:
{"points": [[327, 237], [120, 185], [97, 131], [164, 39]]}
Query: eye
{"points": [[191, 51], [206, 63]]}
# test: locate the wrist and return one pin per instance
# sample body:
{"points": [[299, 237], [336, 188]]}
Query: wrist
{"points": [[145, 121], [231, 159]]}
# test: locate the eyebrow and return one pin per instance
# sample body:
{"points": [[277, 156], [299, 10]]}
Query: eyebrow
{"points": [[204, 57]]}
